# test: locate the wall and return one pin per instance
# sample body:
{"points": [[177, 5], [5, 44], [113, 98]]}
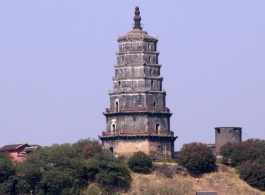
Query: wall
{"points": [[224, 135], [160, 147]]}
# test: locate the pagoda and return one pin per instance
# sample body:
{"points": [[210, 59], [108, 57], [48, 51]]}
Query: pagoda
{"points": [[138, 119]]}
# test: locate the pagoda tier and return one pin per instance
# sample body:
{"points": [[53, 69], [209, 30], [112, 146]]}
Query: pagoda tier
{"points": [[137, 102]]}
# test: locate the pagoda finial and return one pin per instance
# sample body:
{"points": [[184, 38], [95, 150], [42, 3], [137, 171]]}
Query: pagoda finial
{"points": [[137, 19]]}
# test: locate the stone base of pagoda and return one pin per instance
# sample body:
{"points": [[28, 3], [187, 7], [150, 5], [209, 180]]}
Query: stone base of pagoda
{"points": [[158, 146]]}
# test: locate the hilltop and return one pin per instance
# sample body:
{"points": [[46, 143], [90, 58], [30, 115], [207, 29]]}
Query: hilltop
{"points": [[225, 181]]}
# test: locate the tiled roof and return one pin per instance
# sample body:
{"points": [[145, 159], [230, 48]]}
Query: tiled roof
{"points": [[12, 147], [137, 34], [30, 149]]}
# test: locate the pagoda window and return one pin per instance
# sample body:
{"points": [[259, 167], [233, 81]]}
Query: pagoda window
{"points": [[113, 128], [117, 106]]}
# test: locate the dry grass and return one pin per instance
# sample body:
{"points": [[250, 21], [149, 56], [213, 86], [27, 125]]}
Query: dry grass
{"points": [[159, 183]]}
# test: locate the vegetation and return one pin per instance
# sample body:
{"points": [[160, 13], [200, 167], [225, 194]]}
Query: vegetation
{"points": [[62, 169], [236, 153], [249, 158], [7, 174], [84, 168], [197, 158], [107, 170], [254, 174], [140, 162]]}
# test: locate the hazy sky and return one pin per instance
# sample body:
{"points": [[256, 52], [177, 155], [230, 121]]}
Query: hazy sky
{"points": [[56, 65]]}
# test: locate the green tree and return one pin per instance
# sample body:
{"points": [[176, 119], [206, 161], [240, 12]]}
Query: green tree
{"points": [[140, 162], [107, 170], [254, 174], [197, 158], [236, 153], [7, 174]]}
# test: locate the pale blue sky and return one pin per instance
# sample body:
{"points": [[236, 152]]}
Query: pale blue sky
{"points": [[56, 64]]}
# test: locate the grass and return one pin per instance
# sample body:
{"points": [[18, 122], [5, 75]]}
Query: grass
{"points": [[159, 183]]}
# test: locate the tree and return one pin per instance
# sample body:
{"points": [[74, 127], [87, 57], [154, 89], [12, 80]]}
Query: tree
{"points": [[237, 153], [107, 170], [254, 174], [7, 174], [197, 158], [140, 162]]}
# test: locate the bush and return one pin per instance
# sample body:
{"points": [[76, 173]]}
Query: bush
{"points": [[140, 162], [108, 171], [254, 174], [197, 158], [237, 153], [7, 174]]}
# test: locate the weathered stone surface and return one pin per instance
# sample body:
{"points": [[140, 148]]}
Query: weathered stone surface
{"points": [[138, 119], [224, 135]]}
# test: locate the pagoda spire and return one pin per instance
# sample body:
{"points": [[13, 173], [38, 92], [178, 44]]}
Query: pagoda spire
{"points": [[137, 19]]}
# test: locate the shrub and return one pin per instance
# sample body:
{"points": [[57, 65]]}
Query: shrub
{"points": [[197, 158], [7, 174], [140, 162], [237, 153], [107, 170], [254, 174]]}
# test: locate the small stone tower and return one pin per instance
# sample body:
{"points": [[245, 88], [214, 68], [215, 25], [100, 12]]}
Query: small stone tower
{"points": [[224, 135], [138, 119]]}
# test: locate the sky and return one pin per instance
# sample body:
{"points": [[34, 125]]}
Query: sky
{"points": [[56, 66]]}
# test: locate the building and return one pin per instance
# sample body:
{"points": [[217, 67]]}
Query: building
{"points": [[138, 119], [18, 151], [224, 135]]}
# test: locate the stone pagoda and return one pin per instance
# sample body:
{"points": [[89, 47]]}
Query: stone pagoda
{"points": [[138, 119]]}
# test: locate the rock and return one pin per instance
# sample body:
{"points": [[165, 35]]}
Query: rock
{"points": [[230, 183], [181, 170]]}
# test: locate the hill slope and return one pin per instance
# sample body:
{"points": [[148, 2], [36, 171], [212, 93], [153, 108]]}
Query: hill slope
{"points": [[225, 182]]}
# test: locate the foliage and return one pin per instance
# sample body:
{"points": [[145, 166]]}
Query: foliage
{"points": [[197, 158], [140, 162], [249, 158], [7, 173], [254, 174], [87, 148], [59, 169], [108, 170], [237, 153]]}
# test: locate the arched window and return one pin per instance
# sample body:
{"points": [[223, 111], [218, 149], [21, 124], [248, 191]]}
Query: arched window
{"points": [[113, 128], [154, 104], [117, 106], [149, 58], [152, 82], [157, 129]]}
